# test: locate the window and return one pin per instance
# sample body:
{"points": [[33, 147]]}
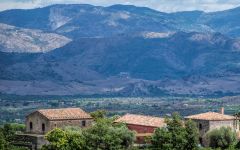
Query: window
{"points": [[200, 126], [31, 125], [84, 123], [200, 140], [43, 127]]}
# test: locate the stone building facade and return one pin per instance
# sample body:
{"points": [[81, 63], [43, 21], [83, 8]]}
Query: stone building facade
{"points": [[212, 120], [144, 126], [43, 121], [39, 122]]}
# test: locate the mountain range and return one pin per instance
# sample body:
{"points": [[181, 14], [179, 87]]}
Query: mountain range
{"points": [[121, 50]]}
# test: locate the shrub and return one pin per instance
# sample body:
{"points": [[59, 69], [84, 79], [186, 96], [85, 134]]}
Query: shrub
{"points": [[223, 138]]}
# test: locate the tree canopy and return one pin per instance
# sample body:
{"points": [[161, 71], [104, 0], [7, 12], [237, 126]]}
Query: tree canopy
{"points": [[102, 135], [176, 135]]}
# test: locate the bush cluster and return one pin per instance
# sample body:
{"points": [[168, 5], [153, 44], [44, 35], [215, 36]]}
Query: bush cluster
{"points": [[103, 135]]}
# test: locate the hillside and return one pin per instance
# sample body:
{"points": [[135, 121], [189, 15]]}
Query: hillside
{"points": [[13, 39], [118, 50]]}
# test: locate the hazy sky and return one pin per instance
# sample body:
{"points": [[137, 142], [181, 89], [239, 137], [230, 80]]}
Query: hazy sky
{"points": [[161, 5]]}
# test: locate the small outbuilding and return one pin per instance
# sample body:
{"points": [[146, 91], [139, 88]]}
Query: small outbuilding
{"points": [[44, 120], [144, 126]]}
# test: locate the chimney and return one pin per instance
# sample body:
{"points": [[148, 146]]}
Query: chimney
{"points": [[222, 110]]}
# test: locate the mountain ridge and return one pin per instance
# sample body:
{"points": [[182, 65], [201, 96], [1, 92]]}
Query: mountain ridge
{"points": [[178, 21], [123, 50]]}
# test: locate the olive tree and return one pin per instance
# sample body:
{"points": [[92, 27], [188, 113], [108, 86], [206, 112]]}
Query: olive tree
{"points": [[223, 138]]}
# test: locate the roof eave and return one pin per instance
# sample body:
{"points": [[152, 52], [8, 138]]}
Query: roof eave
{"points": [[212, 119], [138, 124], [67, 119]]}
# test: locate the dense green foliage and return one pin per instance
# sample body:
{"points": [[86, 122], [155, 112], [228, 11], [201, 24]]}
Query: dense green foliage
{"points": [[7, 136], [192, 135], [99, 114], [103, 135], [223, 138], [176, 135], [3, 142], [65, 140]]}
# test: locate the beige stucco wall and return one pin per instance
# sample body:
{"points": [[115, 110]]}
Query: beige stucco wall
{"points": [[219, 124]]}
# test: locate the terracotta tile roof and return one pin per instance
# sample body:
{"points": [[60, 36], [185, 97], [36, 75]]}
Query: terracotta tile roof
{"points": [[141, 120], [211, 116], [64, 114]]}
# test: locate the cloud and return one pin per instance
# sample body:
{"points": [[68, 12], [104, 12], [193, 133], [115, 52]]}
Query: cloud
{"points": [[10, 4], [161, 5]]}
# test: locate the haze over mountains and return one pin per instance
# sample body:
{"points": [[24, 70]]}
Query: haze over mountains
{"points": [[119, 50]]}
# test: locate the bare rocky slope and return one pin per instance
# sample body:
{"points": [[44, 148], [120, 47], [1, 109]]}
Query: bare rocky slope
{"points": [[14, 39]]}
